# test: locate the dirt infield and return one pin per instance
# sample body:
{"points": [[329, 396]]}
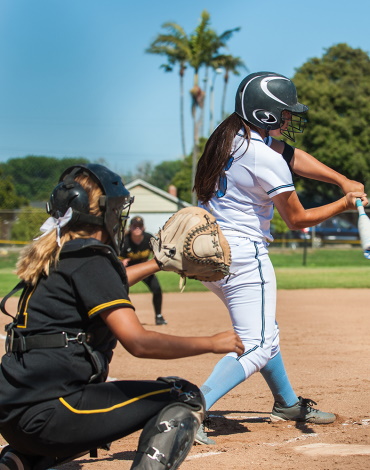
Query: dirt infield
{"points": [[325, 337]]}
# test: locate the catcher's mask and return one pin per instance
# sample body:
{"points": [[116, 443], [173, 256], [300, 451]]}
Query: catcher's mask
{"points": [[115, 202], [261, 99]]}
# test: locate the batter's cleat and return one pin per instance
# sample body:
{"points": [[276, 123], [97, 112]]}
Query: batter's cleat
{"points": [[10, 459], [302, 412], [159, 320], [202, 438]]}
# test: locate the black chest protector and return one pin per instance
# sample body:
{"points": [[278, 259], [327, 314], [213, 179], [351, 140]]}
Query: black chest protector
{"points": [[96, 338]]}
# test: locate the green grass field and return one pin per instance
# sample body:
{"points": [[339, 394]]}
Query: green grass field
{"points": [[324, 268]]}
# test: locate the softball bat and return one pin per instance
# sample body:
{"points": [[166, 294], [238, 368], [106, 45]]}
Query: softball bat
{"points": [[363, 228]]}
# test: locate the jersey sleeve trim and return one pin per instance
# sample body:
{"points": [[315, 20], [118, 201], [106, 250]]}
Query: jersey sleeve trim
{"points": [[107, 305], [280, 187]]}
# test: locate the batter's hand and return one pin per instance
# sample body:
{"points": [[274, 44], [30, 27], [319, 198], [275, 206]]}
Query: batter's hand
{"points": [[351, 185], [351, 199], [226, 342]]}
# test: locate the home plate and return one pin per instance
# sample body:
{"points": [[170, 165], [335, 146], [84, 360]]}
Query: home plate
{"points": [[333, 449], [202, 455]]}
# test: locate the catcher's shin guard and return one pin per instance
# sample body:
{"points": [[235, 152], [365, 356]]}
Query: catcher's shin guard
{"points": [[168, 437]]}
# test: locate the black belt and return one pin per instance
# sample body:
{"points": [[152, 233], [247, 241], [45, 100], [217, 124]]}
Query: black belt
{"points": [[21, 343]]}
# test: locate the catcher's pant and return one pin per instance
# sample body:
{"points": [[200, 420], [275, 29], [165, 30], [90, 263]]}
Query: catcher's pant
{"points": [[155, 288], [249, 294], [88, 419]]}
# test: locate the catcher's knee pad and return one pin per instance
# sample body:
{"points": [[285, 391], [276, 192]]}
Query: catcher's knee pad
{"points": [[185, 392], [168, 437]]}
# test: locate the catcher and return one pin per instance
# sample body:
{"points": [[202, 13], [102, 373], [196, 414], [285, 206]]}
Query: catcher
{"points": [[55, 403]]}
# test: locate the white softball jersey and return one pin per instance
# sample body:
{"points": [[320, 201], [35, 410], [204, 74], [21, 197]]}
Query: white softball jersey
{"points": [[254, 174]]}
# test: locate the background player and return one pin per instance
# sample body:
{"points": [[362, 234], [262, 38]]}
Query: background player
{"points": [[54, 402], [239, 180], [136, 249]]}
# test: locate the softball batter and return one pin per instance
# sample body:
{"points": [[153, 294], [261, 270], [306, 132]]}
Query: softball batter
{"points": [[239, 180], [54, 402]]}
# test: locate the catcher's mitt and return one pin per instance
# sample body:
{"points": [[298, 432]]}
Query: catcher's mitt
{"points": [[191, 244]]}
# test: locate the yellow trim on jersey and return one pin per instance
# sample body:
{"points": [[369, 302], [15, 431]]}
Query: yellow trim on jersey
{"points": [[24, 306], [108, 304], [114, 407]]}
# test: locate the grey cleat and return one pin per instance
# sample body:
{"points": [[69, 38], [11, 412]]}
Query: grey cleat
{"points": [[159, 320], [202, 438], [302, 411]]}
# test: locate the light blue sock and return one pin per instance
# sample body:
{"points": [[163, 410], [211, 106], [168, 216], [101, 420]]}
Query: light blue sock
{"points": [[227, 374], [277, 379]]}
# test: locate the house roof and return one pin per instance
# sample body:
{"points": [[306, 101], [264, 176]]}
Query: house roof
{"points": [[149, 198]]}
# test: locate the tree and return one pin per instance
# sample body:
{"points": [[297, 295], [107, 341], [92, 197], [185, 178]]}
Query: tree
{"points": [[28, 223], [199, 49], [205, 45], [184, 177], [279, 227], [336, 88], [216, 71], [144, 171], [34, 177], [175, 46], [163, 174], [230, 64], [9, 199]]}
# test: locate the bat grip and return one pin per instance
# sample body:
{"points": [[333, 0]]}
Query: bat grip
{"points": [[360, 207]]}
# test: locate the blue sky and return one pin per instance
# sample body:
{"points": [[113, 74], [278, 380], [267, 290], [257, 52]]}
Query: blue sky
{"points": [[75, 79]]}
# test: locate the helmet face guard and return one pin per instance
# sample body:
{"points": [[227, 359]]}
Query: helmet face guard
{"points": [[262, 98], [115, 202], [296, 125]]}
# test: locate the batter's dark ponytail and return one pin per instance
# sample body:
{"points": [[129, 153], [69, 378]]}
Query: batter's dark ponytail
{"points": [[215, 155]]}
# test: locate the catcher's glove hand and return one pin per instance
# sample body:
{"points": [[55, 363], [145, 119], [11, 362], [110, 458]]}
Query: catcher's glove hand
{"points": [[191, 244]]}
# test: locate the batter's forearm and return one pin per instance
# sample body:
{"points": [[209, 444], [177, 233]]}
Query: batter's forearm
{"points": [[297, 217], [317, 215], [304, 164]]}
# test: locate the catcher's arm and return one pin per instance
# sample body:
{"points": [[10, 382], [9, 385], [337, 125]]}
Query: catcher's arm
{"points": [[138, 272], [140, 342]]}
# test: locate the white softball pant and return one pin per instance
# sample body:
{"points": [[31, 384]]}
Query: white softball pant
{"points": [[249, 294]]}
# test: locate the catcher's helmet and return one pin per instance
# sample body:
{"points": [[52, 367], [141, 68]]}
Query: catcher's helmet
{"points": [[114, 204], [262, 97]]}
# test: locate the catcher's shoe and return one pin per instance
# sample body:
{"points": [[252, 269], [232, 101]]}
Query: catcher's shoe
{"points": [[302, 411], [159, 320], [11, 459], [202, 438]]}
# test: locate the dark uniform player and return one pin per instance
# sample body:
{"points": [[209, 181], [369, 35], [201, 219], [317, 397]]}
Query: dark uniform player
{"points": [[137, 249], [54, 402]]}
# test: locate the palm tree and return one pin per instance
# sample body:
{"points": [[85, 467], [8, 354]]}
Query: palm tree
{"points": [[204, 45], [216, 71], [230, 64], [176, 47], [198, 50]]}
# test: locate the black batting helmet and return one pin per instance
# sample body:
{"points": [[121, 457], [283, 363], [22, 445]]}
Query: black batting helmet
{"points": [[263, 96]]}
